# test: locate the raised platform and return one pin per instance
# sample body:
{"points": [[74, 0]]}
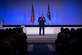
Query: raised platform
{"points": [[79, 25], [41, 39], [49, 29]]}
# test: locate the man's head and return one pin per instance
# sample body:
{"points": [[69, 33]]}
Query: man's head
{"points": [[62, 29]]}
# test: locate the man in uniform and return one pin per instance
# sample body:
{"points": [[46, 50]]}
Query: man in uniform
{"points": [[41, 21]]}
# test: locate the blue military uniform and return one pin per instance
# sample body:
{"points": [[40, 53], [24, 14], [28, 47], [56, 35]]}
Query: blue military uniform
{"points": [[41, 21]]}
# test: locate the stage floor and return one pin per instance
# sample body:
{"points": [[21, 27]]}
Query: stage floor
{"points": [[48, 38]]}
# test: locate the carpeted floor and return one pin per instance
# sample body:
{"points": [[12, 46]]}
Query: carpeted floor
{"points": [[41, 49]]}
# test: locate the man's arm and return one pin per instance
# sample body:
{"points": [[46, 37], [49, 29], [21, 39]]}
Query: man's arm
{"points": [[39, 19], [44, 19]]}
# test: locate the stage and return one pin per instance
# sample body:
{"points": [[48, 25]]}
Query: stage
{"points": [[49, 29]]}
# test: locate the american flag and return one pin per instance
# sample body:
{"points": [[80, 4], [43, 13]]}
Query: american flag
{"points": [[32, 15]]}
